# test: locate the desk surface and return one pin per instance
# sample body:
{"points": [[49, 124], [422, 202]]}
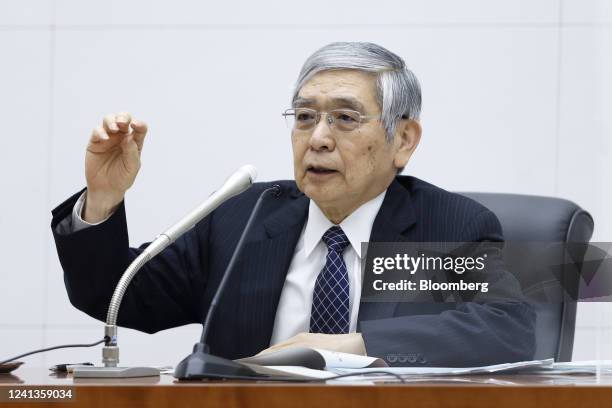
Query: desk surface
{"points": [[497, 391]]}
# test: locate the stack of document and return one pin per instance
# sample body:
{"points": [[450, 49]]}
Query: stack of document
{"points": [[314, 358], [312, 363], [592, 367], [505, 368], [302, 362]]}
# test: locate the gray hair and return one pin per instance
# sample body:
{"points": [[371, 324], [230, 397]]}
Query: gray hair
{"points": [[398, 90]]}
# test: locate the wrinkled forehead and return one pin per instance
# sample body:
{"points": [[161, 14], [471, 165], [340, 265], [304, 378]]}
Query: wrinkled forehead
{"points": [[349, 89]]}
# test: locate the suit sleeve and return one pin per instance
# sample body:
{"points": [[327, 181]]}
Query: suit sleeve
{"points": [[465, 334], [163, 293]]}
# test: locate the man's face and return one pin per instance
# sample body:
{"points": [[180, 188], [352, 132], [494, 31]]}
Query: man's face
{"points": [[342, 170]]}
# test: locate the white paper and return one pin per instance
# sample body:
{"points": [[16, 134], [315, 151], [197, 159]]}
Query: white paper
{"points": [[589, 367], [497, 368], [336, 359], [303, 371]]}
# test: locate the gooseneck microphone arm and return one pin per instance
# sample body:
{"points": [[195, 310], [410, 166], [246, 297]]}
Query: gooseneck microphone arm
{"points": [[162, 241], [241, 180], [276, 189], [200, 364]]}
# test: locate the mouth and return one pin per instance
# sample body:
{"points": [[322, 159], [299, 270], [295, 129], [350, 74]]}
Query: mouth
{"points": [[320, 170]]}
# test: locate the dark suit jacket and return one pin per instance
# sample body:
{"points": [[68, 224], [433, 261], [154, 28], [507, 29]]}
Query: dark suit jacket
{"points": [[176, 287]]}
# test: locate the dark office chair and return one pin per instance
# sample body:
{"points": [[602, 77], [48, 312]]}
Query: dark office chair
{"points": [[533, 218]]}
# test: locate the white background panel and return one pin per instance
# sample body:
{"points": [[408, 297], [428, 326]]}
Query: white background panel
{"points": [[20, 13], [607, 102], [74, 12], [19, 339], [585, 152], [24, 107], [488, 100], [594, 342], [587, 12], [584, 134]]}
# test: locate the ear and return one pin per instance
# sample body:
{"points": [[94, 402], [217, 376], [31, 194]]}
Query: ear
{"points": [[406, 140]]}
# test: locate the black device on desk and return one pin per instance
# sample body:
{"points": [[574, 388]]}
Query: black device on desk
{"points": [[67, 367]]}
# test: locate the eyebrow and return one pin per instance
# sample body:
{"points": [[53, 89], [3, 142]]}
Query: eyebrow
{"points": [[343, 101], [300, 102], [348, 102]]}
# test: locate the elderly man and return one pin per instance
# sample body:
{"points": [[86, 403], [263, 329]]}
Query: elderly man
{"points": [[354, 127]]}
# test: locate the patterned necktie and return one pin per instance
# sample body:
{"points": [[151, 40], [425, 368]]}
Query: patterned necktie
{"points": [[330, 299]]}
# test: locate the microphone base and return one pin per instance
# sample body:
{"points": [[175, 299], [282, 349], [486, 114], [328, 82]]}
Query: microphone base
{"points": [[200, 365], [114, 372]]}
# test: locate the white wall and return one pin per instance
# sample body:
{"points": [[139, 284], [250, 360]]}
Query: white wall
{"points": [[517, 98]]}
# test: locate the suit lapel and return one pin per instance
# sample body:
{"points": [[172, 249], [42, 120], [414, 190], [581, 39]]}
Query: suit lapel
{"points": [[395, 217], [264, 264], [393, 223]]}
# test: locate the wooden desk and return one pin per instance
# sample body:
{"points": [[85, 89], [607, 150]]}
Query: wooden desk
{"points": [[516, 391]]}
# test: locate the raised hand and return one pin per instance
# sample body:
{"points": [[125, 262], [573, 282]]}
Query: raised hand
{"points": [[112, 162]]}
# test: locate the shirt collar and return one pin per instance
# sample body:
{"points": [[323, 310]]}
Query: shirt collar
{"points": [[357, 226]]}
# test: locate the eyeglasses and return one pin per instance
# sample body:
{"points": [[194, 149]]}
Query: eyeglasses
{"points": [[345, 120]]}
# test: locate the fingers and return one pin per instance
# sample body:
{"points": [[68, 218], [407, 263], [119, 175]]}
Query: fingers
{"points": [[109, 123], [139, 132], [117, 122], [98, 135], [130, 154], [121, 128], [97, 140], [123, 119]]}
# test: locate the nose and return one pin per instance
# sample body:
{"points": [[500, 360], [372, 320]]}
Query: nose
{"points": [[321, 138]]}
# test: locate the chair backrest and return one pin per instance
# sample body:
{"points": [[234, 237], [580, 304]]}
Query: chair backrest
{"points": [[535, 218]]}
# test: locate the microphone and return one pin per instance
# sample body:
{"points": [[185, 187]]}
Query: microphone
{"points": [[238, 182], [200, 364]]}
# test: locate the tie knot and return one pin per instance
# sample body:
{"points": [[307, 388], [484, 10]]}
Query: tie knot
{"points": [[335, 239]]}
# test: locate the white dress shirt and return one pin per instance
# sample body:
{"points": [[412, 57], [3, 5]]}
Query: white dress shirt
{"points": [[78, 223], [293, 311]]}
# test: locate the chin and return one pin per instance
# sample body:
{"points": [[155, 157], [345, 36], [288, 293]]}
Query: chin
{"points": [[321, 193]]}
